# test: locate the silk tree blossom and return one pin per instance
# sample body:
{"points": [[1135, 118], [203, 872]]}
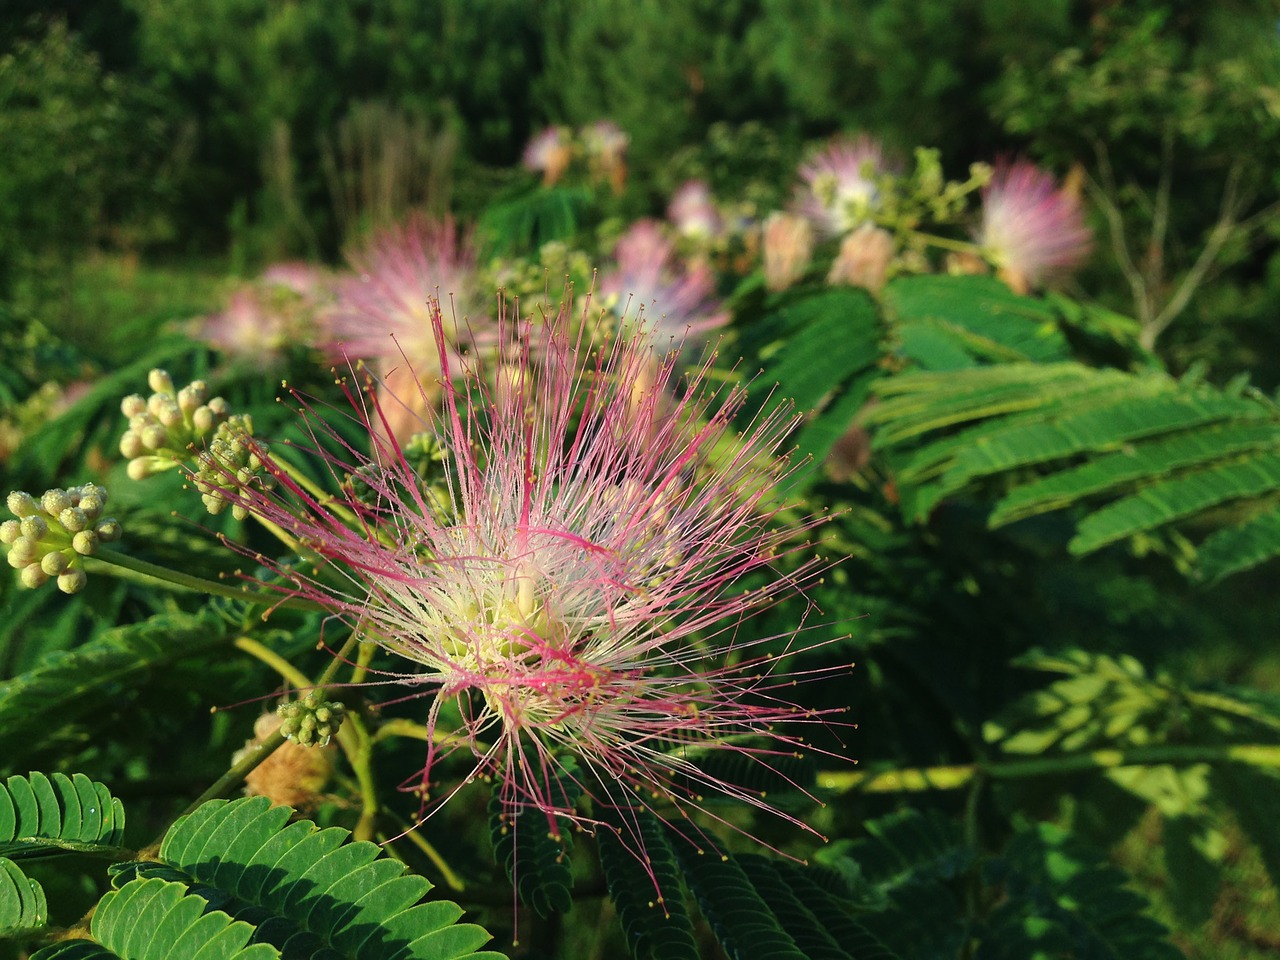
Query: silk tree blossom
{"points": [[839, 190], [693, 212], [263, 318], [651, 276], [572, 585], [1031, 230], [383, 313], [549, 152]]}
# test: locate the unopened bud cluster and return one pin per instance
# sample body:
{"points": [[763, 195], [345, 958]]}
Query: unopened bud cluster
{"points": [[233, 459], [167, 426], [52, 533], [311, 721]]}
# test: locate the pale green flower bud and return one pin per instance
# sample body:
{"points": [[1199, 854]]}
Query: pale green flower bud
{"points": [[203, 419], [140, 468], [193, 395], [155, 403], [10, 530], [108, 530], [170, 415], [34, 528], [22, 504], [131, 445], [74, 519], [154, 437], [72, 581], [22, 551], [239, 512], [92, 506], [85, 542], [221, 409], [33, 576], [214, 503], [160, 381], [54, 563], [133, 405], [55, 501]]}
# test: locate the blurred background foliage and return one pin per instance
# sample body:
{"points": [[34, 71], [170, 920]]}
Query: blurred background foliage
{"points": [[152, 149]]}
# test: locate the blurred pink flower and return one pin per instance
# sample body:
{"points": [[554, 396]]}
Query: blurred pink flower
{"points": [[605, 144], [693, 212], [839, 189], [678, 297], [1031, 230], [383, 312], [572, 583], [263, 318], [864, 258], [549, 152]]}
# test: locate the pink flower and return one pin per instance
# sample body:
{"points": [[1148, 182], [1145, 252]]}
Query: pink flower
{"points": [[383, 312], [549, 152], [1031, 230], [572, 581], [839, 189], [864, 258], [693, 212], [263, 318], [649, 275], [605, 144]]}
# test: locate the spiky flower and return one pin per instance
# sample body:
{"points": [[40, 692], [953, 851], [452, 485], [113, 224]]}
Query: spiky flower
{"points": [[839, 190], [1031, 230], [263, 318], [381, 314], [583, 595], [649, 275]]}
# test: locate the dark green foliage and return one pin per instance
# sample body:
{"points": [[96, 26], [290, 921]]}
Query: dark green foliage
{"points": [[646, 891], [742, 920], [534, 846], [71, 687]]}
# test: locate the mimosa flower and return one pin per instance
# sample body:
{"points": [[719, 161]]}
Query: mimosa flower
{"points": [[1031, 230], [569, 591], [650, 276], [693, 212], [549, 152], [383, 313], [839, 190], [788, 248]]}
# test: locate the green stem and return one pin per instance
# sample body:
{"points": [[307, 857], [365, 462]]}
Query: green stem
{"points": [[946, 243], [921, 779], [157, 575]]}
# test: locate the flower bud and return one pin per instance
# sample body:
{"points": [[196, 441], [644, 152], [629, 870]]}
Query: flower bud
{"points": [[10, 530], [85, 542], [92, 507], [203, 419], [34, 528], [155, 403], [788, 248], [22, 551], [170, 415], [108, 530], [133, 405], [33, 576], [53, 563], [74, 519], [160, 381], [155, 437], [72, 581], [139, 469], [221, 409], [192, 395], [55, 501], [22, 504], [131, 445]]}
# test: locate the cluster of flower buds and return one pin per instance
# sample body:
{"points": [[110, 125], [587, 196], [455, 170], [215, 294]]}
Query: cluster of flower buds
{"points": [[311, 721], [52, 533], [166, 427], [232, 459]]}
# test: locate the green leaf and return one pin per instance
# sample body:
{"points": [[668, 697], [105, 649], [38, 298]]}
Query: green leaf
{"points": [[743, 922], [793, 914], [1181, 496], [42, 814], [644, 884], [946, 322], [1240, 547], [534, 846], [1253, 796], [71, 686], [302, 885], [22, 901]]}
